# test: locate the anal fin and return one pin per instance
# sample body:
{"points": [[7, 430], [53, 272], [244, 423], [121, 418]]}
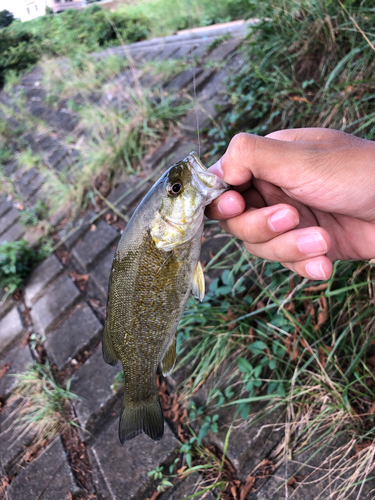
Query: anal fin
{"points": [[197, 285], [169, 358]]}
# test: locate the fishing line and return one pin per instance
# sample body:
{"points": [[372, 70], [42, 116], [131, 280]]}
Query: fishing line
{"points": [[194, 85]]}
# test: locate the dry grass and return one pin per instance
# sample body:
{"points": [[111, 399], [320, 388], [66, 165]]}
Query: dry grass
{"points": [[42, 408]]}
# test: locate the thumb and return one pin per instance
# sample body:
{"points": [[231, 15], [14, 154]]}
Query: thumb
{"points": [[271, 160]]}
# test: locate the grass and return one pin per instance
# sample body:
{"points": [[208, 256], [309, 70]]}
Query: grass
{"points": [[164, 70], [123, 122], [79, 76], [166, 19], [43, 408], [309, 65], [265, 335]]}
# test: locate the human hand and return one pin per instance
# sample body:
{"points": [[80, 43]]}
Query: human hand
{"points": [[303, 197]]}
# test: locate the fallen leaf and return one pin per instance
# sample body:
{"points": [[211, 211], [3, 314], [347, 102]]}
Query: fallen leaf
{"points": [[292, 481], [316, 288], [80, 280], [299, 99], [323, 355], [233, 490], [99, 307], [372, 410], [230, 316], [251, 334], [292, 348], [362, 446], [370, 361], [93, 228], [323, 313], [155, 495], [306, 345], [4, 368], [246, 488]]}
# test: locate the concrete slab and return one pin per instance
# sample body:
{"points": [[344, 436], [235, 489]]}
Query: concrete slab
{"points": [[79, 332], [51, 308], [41, 278], [11, 330], [125, 467]]}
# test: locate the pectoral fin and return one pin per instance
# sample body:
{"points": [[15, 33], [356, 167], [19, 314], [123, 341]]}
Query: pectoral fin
{"points": [[109, 354], [169, 359], [197, 286]]}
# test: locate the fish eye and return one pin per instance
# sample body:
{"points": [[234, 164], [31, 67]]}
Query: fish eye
{"points": [[175, 188]]}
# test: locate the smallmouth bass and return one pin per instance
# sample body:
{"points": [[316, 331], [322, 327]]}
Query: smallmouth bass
{"points": [[156, 265]]}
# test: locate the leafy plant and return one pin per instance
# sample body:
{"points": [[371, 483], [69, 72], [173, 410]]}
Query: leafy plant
{"points": [[157, 474], [17, 260], [35, 339], [30, 217]]}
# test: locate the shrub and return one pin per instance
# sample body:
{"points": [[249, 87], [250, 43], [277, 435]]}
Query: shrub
{"points": [[23, 44], [6, 18], [16, 52]]}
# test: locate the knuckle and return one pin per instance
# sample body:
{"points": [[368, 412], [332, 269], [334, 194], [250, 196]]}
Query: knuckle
{"points": [[239, 145], [278, 253]]}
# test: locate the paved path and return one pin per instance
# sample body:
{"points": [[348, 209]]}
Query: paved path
{"points": [[66, 297]]}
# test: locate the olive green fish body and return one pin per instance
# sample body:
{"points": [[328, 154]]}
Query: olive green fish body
{"points": [[152, 275]]}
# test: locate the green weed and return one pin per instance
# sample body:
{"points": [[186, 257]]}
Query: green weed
{"points": [[166, 70], [17, 260], [31, 217], [11, 79], [27, 159], [157, 474], [217, 42]]}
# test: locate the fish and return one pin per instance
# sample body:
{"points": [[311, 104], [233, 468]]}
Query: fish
{"points": [[155, 268]]}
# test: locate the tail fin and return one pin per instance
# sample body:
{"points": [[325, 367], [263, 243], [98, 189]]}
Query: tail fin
{"points": [[141, 416]]}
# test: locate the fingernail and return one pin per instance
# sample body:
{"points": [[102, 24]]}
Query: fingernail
{"points": [[312, 243], [315, 270], [229, 206], [283, 220], [217, 169]]}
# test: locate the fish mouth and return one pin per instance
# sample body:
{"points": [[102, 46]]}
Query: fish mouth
{"points": [[207, 178]]}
